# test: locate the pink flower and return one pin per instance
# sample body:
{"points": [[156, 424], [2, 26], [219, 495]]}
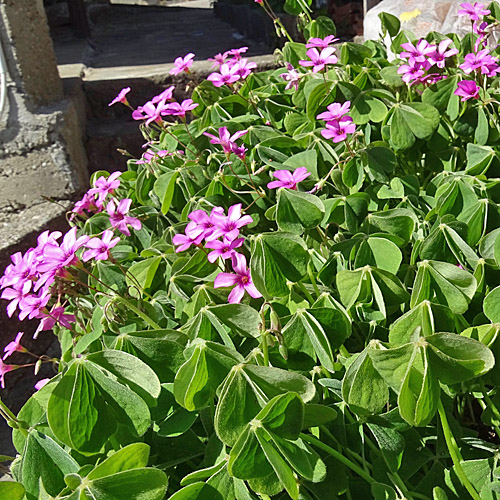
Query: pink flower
{"points": [[15, 296], [239, 151], [292, 77], [241, 278], [204, 225], [229, 225], [41, 383], [56, 315], [184, 241], [287, 179], [121, 97], [473, 10], [337, 130], [236, 53], [150, 155], [335, 111], [182, 64], [467, 89], [87, 203], [3, 370], [176, 109], [224, 249], [244, 68], [99, 248], [320, 43], [32, 305], [417, 52], [320, 60], [218, 59], [23, 268], [104, 186], [227, 76], [149, 112], [14, 346], [225, 139], [166, 95], [441, 53], [482, 61], [118, 216], [411, 72]]}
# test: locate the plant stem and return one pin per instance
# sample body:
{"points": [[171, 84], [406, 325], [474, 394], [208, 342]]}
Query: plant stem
{"points": [[455, 453], [313, 281], [265, 348], [338, 456], [139, 313]]}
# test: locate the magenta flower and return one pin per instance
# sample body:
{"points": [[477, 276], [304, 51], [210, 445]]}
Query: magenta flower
{"points": [[104, 186], [14, 346], [244, 68], [118, 216], [150, 155], [41, 383], [419, 52], [87, 203], [441, 53], [15, 295], [204, 225], [236, 53], [224, 249], [241, 278], [227, 76], [149, 112], [225, 139], [239, 151], [482, 61], [3, 370], [166, 95], [182, 64], [56, 315], [229, 225], [184, 241], [99, 248], [23, 268], [473, 10], [218, 60], [121, 97], [320, 43], [319, 60], [292, 77], [467, 89], [411, 72], [287, 179], [32, 305], [335, 111], [176, 109], [337, 130]]}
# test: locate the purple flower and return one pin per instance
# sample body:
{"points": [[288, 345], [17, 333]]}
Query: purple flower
{"points": [[320, 43], [118, 216], [87, 203], [229, 225], [417, 52], [227, 76], [441, 53], [411, 72], [104, 186], [473, 10], [149, 112], [218, 60], [335, 111], [236, 53], [166, 95], [319, 60], [3, 370], [15, 295], [23, 268], [224, 249], [244, 68], [182, 64], [14, 346], [204, 225], [176, 109], [41, 383], [241, 278], [239, 151], [288, 179], [482, 61], [121, 97], [467, 89], [150, 155], [292, 77], [184, 241], [99, 248], [32, 305], [225, 139], [337, 130], [56, 315]]}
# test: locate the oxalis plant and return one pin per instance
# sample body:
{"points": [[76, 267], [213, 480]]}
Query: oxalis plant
{"points": [[294, 293]]}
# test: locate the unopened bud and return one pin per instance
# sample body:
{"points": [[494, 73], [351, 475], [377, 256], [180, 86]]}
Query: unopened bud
{"points": [[283, 351], [38, 365], [275, 321]]}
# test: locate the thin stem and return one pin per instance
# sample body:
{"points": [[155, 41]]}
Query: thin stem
{"points": [[338, 456], [139, 313], [5, 409], [313, 281], [265, 348], [455, 453]]}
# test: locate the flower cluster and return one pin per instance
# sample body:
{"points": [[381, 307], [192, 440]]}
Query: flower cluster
{"points": [[231, 67], [319, 59], [228, 141], [424, 60], [481, 62], [221, 235], [338, 123]]}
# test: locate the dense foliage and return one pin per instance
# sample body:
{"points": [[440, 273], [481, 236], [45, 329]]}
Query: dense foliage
{"points": [[293, 295]]}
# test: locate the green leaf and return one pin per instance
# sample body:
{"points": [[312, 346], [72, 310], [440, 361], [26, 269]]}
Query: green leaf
{"points": [[379, 252], [383, 491], [482, 130], [479, 159], [391, 443], [197, 491], [10, 490], [164, 188], [440, 93], [283, 415], [491, 305], [276, 259], [402, 137], [363, 389], [399, 222], [320, 27], [142, 273], [239, 318], [298, 211], [390, 23], [367, 108]]}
